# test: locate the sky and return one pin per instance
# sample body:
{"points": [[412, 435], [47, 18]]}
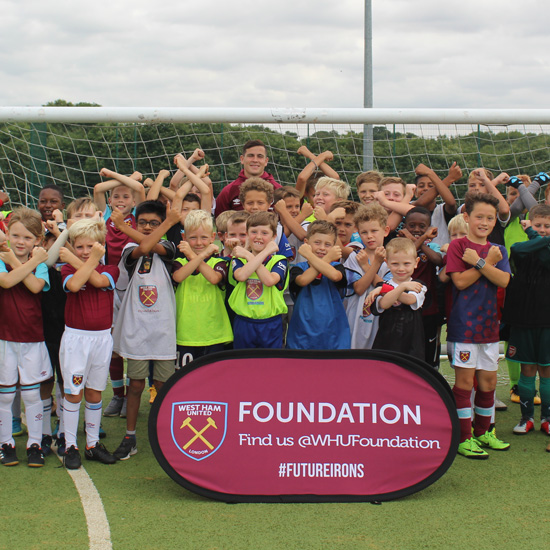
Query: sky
{"points": [[257, 53]]}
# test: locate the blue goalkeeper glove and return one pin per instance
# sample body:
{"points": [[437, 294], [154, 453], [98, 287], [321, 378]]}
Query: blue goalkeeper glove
{"points": [[542, 178], [514, 182]]}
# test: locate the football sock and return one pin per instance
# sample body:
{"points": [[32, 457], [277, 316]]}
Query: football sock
{"points": [[464, 410], [7, 395], [47, 418], [544, 397], [526, 390], [16, 406], [484, 405], [71, 413], [116, 372], [92, 416], [34, 412]]}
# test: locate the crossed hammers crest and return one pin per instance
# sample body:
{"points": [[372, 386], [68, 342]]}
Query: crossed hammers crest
{"points": [[198, 434]]}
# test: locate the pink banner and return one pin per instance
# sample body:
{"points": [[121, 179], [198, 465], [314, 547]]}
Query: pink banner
{"points": [[262, 425]]}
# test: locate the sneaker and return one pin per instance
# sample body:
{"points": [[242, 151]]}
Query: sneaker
{"points": [[71, 458], [500, 405], [545, 426], [470, 449], [16, 427], [35, 457], [46, 444], [123, 410], [114, 407], [525, 425], [8, 457], [100, 453], [536, 400], [514, 394], [61, 445], [153, 394], [127, 448], [489, 439]]}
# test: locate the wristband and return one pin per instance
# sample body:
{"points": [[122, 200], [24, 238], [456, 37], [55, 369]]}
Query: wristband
{"points": [[480, 264], [315, 164]]}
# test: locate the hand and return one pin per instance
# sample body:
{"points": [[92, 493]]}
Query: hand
{"points": [[334, 254], [138, 176], [40, 254], [172, 215], [186, 250], [494, 255], [98, 251], [203, 171], [372, 295], [272, 247], [514, 182], [380, 254], [380, 197], [307, 209], [363, 259], [319, 213], [4, 197], [179, 158], [148, 183], [305, 250], [326, 156], [212, 249], [65, 255], [542, 178], [280, 206], [164, 174], [470, 256], [455, 173], [406, 234], [411, 188], [431, 233], [502, 178], [525, 224], [412, 286], [106, 173], [198, 154], [117, 218], [51, 226], [422, 170], [445, 247], [7, 255], [337, 214], [304, 151], [241, 252]]}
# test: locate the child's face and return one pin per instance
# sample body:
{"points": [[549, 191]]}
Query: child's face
{"points": [[393, 192], [48, 201], [122, 199], [22, 241], [83, 247], [258, 237], [423, 184], [372, 234], [481, 222], [417, 224], [199, 239], [147, 223], [511, 195], [255, 201], [237, 231], [541, 226], [402, 265], [85, 213], [186, 207], [324, 198], [366, 191], [475, 185], [346, 228], [320, 244], [458, 234], [292, 205]]}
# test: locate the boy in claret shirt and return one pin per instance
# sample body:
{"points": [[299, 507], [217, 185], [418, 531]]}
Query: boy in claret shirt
{"points": [[87, 344], [477, 269]]}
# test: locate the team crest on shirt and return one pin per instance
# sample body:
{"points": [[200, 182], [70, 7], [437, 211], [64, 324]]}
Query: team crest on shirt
{"points": [[464, 356], [366, 310], [198, 427], [512, 351], [148, 295], [254, 289], [77, 379]]}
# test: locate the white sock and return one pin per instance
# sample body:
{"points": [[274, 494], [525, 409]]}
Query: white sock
{"points": [[6, 401], [47, 418], [71, 413], [92, 415], [34, 412], [493, 411], [16, 406]]}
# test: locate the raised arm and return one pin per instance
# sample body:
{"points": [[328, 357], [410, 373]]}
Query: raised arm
{"points": [[316, 163], [195, 179], [490, 186], [318, 265], [101, 189], [440, 188], [23, 273], [154, 189]]}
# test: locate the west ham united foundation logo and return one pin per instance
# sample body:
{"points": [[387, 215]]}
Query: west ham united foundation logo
{"points": [[254, 289], [148, 295], [199, 427], [464, 356]]}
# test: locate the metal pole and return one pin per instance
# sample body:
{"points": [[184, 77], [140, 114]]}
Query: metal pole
{"points": [[368, 163]]}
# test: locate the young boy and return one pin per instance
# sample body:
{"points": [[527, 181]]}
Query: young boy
{"points": [[327, 192], [50, 199], [259, 276], [235, 232], [367, 185], [364, 270], [203, 326], [399, 302], [319, 319], [145, 329], [477, 268], [87, 345], [316, 168], [24, 357], [526, 311], [342, 215], [221, 228]]}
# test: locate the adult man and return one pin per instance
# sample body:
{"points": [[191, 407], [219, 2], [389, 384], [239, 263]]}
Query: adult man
{"points": [[254, 160]]}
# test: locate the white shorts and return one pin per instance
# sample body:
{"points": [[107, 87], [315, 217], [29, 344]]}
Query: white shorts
{"points": [[85, 356], [26, 362], [474, 356]]}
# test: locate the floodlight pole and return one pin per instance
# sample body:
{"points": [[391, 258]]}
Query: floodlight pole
{"points": [[368, 163]]}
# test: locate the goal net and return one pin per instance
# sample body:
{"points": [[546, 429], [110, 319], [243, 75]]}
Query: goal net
{"points": [[71, 153]]}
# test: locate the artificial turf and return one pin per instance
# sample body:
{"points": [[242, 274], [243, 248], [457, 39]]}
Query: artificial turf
{"points": [[497, 503]]}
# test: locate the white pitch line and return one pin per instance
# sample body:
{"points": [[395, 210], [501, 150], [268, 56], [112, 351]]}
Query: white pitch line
{"points": [[99, 532]]}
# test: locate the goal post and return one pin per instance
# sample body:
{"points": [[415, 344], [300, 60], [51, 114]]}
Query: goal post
{"points": [[69, 145]]}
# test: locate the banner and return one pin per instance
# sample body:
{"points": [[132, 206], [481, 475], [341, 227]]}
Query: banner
{"points": [[305, 426]]}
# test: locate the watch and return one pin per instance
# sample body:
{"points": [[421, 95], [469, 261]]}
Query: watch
{"points": [[480, 264]]}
